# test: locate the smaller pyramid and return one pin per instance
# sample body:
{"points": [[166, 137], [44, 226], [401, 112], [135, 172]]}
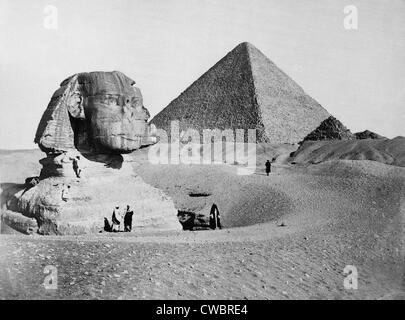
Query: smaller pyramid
{"points": [[367, 134], [330, 129], [245, 90]]}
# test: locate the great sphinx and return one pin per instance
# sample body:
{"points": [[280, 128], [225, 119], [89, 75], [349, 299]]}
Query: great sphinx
{"points": [[91, 123], [99, 115]]}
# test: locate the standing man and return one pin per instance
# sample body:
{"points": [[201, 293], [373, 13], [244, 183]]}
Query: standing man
{"points": [[268, 167], [76, 166], [215, 220], [218, 220], [128, 220], [115, 219]]}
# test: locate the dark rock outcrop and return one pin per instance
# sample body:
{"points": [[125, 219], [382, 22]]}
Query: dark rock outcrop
{"points": [[367, 134]]}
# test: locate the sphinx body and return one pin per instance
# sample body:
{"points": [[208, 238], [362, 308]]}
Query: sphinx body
{"points": [[93, 121]]}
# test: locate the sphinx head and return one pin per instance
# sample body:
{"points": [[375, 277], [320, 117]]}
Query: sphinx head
{"points": [[98, 112]]}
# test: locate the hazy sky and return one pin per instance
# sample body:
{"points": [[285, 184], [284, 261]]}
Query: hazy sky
{"points": [[357, 75]]}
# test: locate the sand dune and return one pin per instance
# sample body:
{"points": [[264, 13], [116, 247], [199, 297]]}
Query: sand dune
{"points": [[335, 213], [389, 151]]}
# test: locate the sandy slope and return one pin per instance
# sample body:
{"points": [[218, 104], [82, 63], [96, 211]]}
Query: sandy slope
{"points": [[336, 214], [389, 151]]}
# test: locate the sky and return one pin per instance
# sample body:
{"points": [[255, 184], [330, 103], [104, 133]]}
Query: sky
{"points": [[358, 75]]}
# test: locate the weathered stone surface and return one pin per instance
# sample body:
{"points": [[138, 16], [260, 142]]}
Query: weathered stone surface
{"points": [[99, 112], [89, 126], [245, 90], [88, 202], [18, 222]]}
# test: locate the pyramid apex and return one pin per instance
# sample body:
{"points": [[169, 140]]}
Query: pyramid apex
{"points": [[245, 45], [249, 48]]}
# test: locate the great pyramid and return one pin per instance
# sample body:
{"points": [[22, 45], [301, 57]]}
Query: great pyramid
{"points": [[245, 90]]}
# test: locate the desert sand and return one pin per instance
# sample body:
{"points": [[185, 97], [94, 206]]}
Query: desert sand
{"points": [[286, 236]]}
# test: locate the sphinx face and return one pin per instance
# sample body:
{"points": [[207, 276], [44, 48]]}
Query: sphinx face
{"points": [[98, 112], [116, 119]]}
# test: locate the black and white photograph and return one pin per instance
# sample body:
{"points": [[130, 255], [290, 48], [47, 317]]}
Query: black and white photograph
{"points": [[210, 150]]}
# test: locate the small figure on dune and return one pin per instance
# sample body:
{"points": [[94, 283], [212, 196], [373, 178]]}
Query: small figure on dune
{"points": [[128, 220], [76, 166], [215, 220], [116, 223], [268, 167]]}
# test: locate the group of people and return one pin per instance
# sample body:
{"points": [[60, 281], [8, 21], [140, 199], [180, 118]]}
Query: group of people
{"points": [[120, 221]]}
